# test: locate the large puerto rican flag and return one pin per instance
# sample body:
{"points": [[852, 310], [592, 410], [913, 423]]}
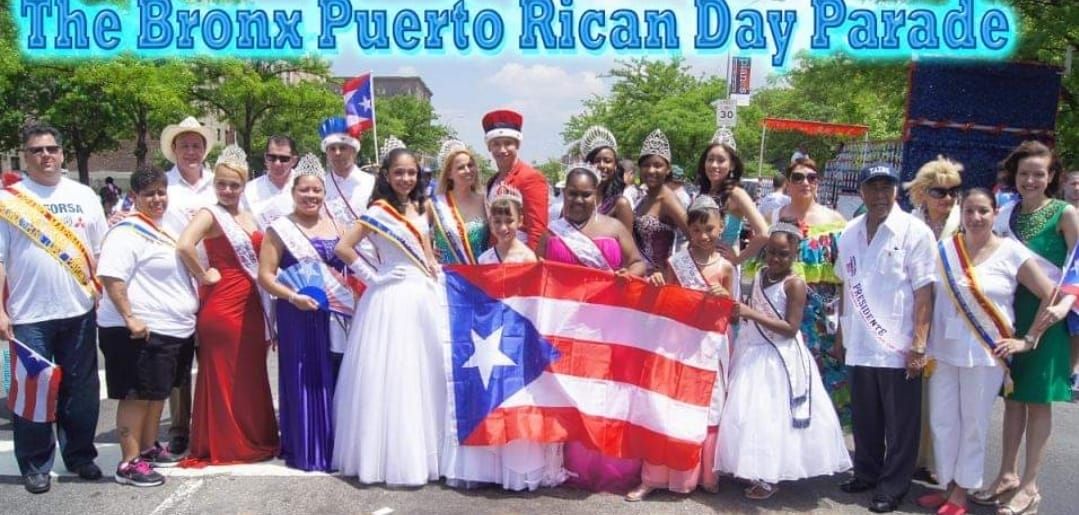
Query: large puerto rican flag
{"points": [[359, 104], [35, 384], [553, 353]]}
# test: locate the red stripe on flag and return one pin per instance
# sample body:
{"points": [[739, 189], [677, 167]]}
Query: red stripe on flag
{"points": [[611, 437], [577, 283], [54, 394], [29, 397], [633, 366]]}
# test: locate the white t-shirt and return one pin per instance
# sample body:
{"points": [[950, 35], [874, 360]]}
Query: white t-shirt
{"points": [[158, 286], [40, 287], [186, 199], [266, 201], [951, 340], [355, 189], [900, 259]]}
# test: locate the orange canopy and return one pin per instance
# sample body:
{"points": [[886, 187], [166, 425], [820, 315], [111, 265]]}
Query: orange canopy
{"points": [[811, 128]]}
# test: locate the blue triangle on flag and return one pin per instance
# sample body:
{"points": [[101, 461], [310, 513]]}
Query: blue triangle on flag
{"points": [[472, 310]]}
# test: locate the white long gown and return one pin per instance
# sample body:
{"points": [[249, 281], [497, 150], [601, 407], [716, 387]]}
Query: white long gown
{"points": [[757, 440], [390, 402]]}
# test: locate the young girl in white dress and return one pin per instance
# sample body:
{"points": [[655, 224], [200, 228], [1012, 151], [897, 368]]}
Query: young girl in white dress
{"points": [[777, 423], [390, 402], [520, 464]]}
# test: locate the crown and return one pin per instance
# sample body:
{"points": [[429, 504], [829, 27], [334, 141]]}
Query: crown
{"points": [[389, 145], [597, 137], [505, 191], [448, 148], [725, 136], [702, 202], [310, 165], [232, 156], [786, 228], [586, 167], [656, 144]]}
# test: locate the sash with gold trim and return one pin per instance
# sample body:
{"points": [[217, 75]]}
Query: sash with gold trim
{"points": [[983, 318], [449, 223], [52, 235], [385, 220], [311, 270], [583, 248]]}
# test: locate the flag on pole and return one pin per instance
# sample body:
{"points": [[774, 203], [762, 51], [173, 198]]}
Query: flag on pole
{"points": [[359, 104], [1069, 279], [35, 384], [553, 353]]}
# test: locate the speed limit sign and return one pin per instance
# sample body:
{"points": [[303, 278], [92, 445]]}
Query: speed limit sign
{"points": [[726, 113]]}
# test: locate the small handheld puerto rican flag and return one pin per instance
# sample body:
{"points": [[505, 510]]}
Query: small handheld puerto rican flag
{"points": [[359, 104], [1069, 280], [35, 384]]}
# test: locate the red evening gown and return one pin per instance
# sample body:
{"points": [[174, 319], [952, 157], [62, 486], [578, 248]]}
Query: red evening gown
{"points": [[233, 416]]}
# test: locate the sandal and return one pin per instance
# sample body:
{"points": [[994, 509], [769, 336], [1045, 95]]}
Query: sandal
{"points": [[932, 501], [761, 491], [1030, 509], [988, 497], [638, 494]]}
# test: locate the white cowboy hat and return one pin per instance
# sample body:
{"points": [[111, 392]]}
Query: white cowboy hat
{"points": [[190, 124]]}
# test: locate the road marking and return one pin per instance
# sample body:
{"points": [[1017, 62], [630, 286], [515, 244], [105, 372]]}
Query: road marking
{"points": [[178, 497]]}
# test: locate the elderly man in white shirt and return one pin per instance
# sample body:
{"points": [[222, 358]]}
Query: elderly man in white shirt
{"points": [[887, 263], [269, 196], [191, 188]]}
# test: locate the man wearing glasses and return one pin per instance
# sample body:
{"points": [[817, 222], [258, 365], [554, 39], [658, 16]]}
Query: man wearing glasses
{"points": [[50, 236], [269, 196]]}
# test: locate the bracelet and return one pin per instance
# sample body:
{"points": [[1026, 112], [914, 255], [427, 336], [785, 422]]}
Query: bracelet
{"points": [[292, 297]]}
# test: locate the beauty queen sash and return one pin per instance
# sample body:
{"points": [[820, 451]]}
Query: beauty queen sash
{"points": [[794, 356], [310, 271], [449, 223], [582, 247], [246, 255], [687, 272], [385, 220], [51, 235], [983, 318]]}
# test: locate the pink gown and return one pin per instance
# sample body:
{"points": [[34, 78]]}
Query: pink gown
{"points": [[589, 469]]}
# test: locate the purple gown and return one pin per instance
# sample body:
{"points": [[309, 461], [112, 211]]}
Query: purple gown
{"points": [[307, 376], [589, 469]]}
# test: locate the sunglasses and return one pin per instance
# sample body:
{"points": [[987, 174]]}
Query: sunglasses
{"points": [[797, 177], [46, 149], [278, 158], [944, 192]]}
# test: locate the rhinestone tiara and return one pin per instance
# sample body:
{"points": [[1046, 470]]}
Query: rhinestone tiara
{"points": [[725, 136], [597, 137], [232, 156], [656, 144], [310, 165], [702, 202], [389, 145], [448, 148], [587, 167], [505, 191]]}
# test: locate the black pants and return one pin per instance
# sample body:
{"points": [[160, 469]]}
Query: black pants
{"points": [[886, 410]]}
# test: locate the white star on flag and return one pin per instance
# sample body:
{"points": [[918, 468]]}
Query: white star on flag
{"points": [[487, 355], [366, 103]]}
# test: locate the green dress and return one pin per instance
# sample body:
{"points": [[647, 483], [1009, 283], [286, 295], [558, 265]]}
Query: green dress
{"points": [[1042, 375], [477, 238]]}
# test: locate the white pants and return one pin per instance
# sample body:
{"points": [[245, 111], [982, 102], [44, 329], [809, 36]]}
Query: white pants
{"points": [[960, 401]]}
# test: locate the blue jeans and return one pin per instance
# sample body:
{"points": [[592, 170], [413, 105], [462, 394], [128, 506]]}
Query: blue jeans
{"points": [[69, 342]]}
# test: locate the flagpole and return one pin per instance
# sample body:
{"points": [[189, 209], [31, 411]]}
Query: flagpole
{"points": [[374, 117]]}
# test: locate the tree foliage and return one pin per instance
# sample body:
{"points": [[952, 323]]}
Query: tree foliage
{"points": [[412, 120]]}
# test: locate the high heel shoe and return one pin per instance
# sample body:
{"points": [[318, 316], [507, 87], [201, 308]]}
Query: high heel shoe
{"points": [[1030, 509], [988, 497]]}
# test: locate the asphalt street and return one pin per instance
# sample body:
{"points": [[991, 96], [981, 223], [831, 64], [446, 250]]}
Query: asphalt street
{"points": [[272, 488]]}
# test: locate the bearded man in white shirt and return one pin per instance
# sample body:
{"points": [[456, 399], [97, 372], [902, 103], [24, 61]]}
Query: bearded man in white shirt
{"points": [[887, 264]]}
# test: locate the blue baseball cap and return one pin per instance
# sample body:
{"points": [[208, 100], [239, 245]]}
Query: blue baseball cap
{"points": [[878, 171]]}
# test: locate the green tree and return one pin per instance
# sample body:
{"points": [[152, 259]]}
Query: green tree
{"points": [[246, 93], [648, 95], [552, 169]]}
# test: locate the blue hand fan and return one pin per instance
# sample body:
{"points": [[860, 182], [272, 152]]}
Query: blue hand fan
{"points": [[313, 279]]}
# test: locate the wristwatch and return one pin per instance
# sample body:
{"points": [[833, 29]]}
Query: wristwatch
{"points": [[1031, 340], [918, 350]]}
